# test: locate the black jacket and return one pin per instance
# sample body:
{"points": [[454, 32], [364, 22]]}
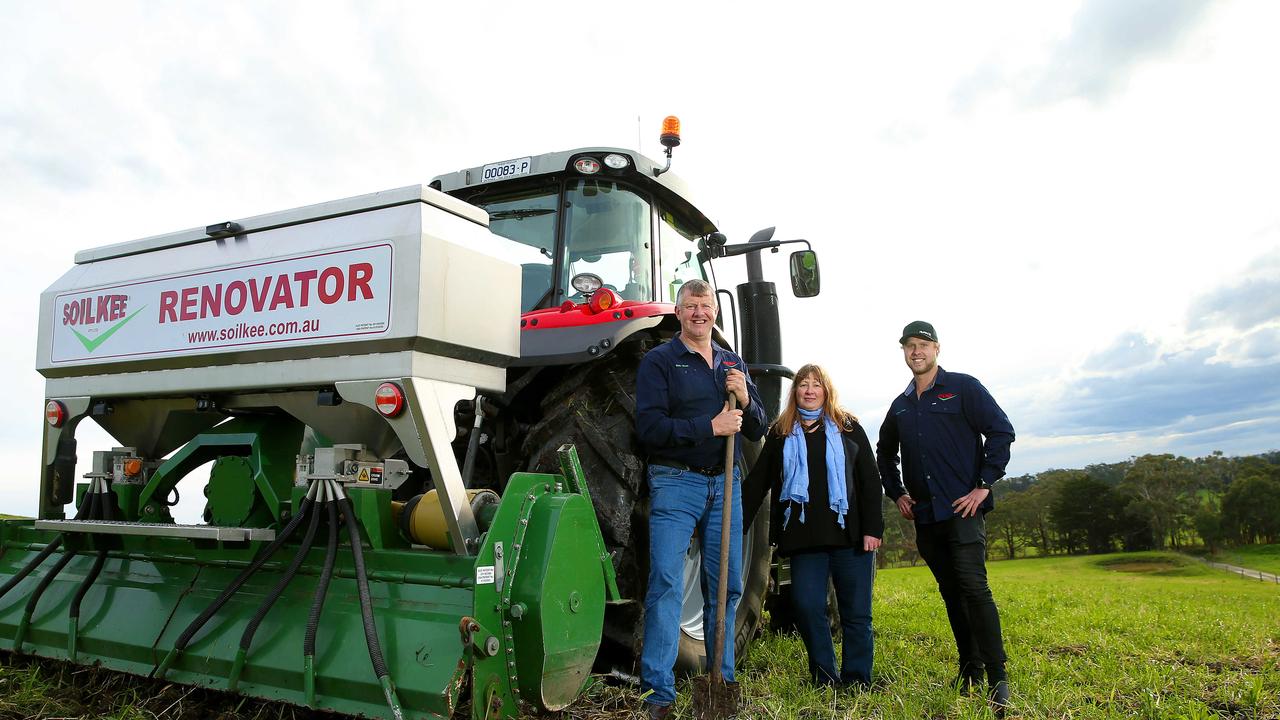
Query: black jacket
{"points": [[862, 486]]}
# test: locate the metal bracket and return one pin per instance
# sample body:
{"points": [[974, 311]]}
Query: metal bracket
{"points": [[425, 428], [572, 469]]}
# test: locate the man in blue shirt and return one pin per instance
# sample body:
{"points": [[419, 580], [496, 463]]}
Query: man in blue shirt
{"points": [[939, 423], [683, 420]]}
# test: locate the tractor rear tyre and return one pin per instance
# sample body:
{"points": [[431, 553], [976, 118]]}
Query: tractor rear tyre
{"points": [[593, 406]]}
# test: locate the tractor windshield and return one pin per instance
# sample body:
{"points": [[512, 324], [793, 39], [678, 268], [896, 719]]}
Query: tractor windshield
{"points": [[607, 233]]}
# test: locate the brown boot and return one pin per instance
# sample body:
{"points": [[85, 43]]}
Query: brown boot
{"points": [[657, 712]]}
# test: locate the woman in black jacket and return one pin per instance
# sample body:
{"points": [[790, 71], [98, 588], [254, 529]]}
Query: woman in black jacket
{"points": [[826, 518]]}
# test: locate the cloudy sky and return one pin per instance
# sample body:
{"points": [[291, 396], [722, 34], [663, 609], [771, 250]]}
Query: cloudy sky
{"points": [[1082, 197]]}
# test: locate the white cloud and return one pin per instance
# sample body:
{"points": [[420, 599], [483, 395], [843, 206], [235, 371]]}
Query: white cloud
{"points": [[895, 139]]}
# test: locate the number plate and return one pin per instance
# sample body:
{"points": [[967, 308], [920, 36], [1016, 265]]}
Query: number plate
{"points": [[506, 170]]}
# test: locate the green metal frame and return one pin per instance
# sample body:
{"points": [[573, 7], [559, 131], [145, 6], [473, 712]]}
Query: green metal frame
{"points": [[524, 615], [269, 444]]}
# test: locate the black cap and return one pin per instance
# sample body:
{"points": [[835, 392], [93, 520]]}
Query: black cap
{"points": [[918, 329]]}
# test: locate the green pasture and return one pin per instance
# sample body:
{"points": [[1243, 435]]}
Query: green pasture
{"points": [[1143, 635], [1255, 557], [1147, 635]]}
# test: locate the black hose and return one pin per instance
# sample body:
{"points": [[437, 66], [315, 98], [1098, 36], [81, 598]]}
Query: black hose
{"points": [[86, 505], [246, 640], [103, 511], [244, 575], [35, 562], [362, 582], [45, 582], [322, 586], [89, 579]]}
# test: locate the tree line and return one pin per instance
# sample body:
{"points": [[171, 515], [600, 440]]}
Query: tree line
{"points": [[1150, 502]]}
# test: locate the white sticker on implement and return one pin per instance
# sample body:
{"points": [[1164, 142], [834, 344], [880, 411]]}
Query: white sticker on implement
{"points": [[484, 575]]}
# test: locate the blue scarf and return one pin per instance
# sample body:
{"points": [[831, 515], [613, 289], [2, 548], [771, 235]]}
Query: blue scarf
{"points": [[795, 469]]}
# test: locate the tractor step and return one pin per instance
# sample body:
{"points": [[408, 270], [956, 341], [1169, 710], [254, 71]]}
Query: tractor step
{"points": [[196, 532]]}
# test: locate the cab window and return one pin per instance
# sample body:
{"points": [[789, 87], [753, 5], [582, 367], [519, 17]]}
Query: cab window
{"points": [[679, 243], [528, 217]]}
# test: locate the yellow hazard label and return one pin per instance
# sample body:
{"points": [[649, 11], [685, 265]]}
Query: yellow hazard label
{"points": [[363, 476]]}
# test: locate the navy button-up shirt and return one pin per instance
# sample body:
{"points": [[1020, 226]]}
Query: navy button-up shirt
{"points": [[940, 435], [677, 395]]}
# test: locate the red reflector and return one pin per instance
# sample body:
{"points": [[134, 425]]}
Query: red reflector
{"points": [[55, 413], [389, 399]]}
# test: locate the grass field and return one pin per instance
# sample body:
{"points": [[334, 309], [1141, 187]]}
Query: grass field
{"points": [[1150, 636], [1119, 636], [1255, 557]]}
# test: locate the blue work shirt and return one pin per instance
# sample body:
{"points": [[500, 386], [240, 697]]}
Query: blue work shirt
{"points": [[940, 435], [677, 395]]}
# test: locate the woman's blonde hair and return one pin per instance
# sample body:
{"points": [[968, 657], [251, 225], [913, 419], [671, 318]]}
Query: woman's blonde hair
{"points": [[831, 406]]}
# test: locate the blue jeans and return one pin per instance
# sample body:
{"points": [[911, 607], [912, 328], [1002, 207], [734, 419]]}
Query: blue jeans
{"points": [[852, 573], [680, 502]]}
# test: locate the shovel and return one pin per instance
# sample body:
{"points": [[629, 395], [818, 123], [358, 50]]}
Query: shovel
{"points": [[713, 699]]}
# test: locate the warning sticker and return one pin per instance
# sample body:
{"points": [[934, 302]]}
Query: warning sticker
{"points": [[375, 475], [484, 575], [363, 476]]}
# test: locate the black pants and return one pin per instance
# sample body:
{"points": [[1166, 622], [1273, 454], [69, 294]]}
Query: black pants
{"points": [[956, 550]]}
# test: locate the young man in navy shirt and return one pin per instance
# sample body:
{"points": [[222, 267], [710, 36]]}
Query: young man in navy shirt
{"points": [[954, 441], [683, 420]]}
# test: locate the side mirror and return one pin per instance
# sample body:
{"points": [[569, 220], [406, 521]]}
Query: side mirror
{"points": [[806, 280]]}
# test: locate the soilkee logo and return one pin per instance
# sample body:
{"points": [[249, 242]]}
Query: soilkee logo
{"points": [[95, 311]]}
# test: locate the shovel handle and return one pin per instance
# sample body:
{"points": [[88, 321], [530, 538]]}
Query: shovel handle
{"points": [[726, 517]]}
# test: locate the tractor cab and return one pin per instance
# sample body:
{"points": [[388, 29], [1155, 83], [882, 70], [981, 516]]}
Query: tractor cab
{"points": [[596, 211], [604, 238]]}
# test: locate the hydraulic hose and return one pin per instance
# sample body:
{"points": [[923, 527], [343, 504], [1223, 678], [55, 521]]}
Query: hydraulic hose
{"points": [[103, 511], [81, 513], [366, 607], [236, 584], [34, 600], [317, 601], [73, 619], [246, 639], [35, 562]]}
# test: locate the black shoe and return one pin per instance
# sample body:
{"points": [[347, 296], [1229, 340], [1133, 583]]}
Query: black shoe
{"points": [[968, 680], [854, 686], [657, 712], [999, 697]]}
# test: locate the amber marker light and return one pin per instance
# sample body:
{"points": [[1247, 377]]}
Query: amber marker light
{"points": [[55, 413], [670, 131], [389, 399], [603, 299]]}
